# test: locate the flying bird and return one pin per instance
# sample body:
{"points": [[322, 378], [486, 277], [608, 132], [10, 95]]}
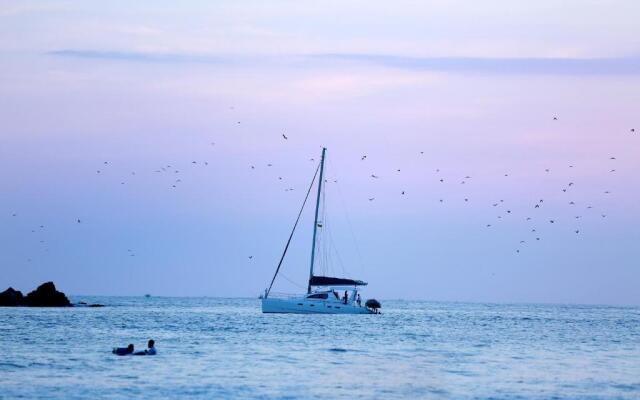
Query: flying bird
{"points": [[363, 158], [551, 221], [374, 176], [285, 137], [372, 198]]}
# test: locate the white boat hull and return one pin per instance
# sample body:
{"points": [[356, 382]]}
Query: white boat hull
{"points": [[310, 306]]}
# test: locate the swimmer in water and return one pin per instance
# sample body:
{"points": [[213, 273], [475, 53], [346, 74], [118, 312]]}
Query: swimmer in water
{"points": [[123, 351], [149, 351]]}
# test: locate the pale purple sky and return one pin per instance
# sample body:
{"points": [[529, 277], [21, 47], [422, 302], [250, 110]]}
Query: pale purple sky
{"points": [[473, 85]]}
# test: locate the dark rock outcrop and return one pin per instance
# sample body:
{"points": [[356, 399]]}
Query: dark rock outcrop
{"points": [[11, 298], [46, 295], [85, 304]]}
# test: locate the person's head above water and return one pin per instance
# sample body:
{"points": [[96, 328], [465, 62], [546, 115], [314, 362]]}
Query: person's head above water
{"points": [[130, 348], [151, 343]]}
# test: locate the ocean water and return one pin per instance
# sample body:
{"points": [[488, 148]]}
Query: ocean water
{"points": [[225, 348]]}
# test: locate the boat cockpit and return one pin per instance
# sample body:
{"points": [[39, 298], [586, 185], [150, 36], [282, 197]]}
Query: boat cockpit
{"points": [[349, 295]]}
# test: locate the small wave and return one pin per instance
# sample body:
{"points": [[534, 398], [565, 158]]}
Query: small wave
{"points": [[627, 387], [11, 365], [338, 350]]}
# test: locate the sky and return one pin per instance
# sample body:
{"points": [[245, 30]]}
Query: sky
{"points": [[173, 103]]}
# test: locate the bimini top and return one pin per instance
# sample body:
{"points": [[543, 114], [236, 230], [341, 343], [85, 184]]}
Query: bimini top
{"points": [[330, 281]]}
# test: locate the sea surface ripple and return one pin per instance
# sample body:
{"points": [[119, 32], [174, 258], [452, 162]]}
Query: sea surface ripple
{"points": [[226, 348]]}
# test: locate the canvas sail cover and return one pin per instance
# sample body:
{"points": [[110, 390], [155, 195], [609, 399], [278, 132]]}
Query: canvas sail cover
{"points": [[330, 281]]}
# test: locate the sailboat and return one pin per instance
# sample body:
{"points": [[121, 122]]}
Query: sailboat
{"points": [[325, 294]]}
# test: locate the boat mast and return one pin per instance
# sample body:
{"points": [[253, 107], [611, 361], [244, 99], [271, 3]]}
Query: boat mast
{"points": [[315, 220]]}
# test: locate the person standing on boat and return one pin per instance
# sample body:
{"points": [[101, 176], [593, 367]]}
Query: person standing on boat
{"points": [[346, 297], [358, 300]]}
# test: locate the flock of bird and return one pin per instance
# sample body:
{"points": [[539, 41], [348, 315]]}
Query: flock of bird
{"points": [[532, 218]]}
